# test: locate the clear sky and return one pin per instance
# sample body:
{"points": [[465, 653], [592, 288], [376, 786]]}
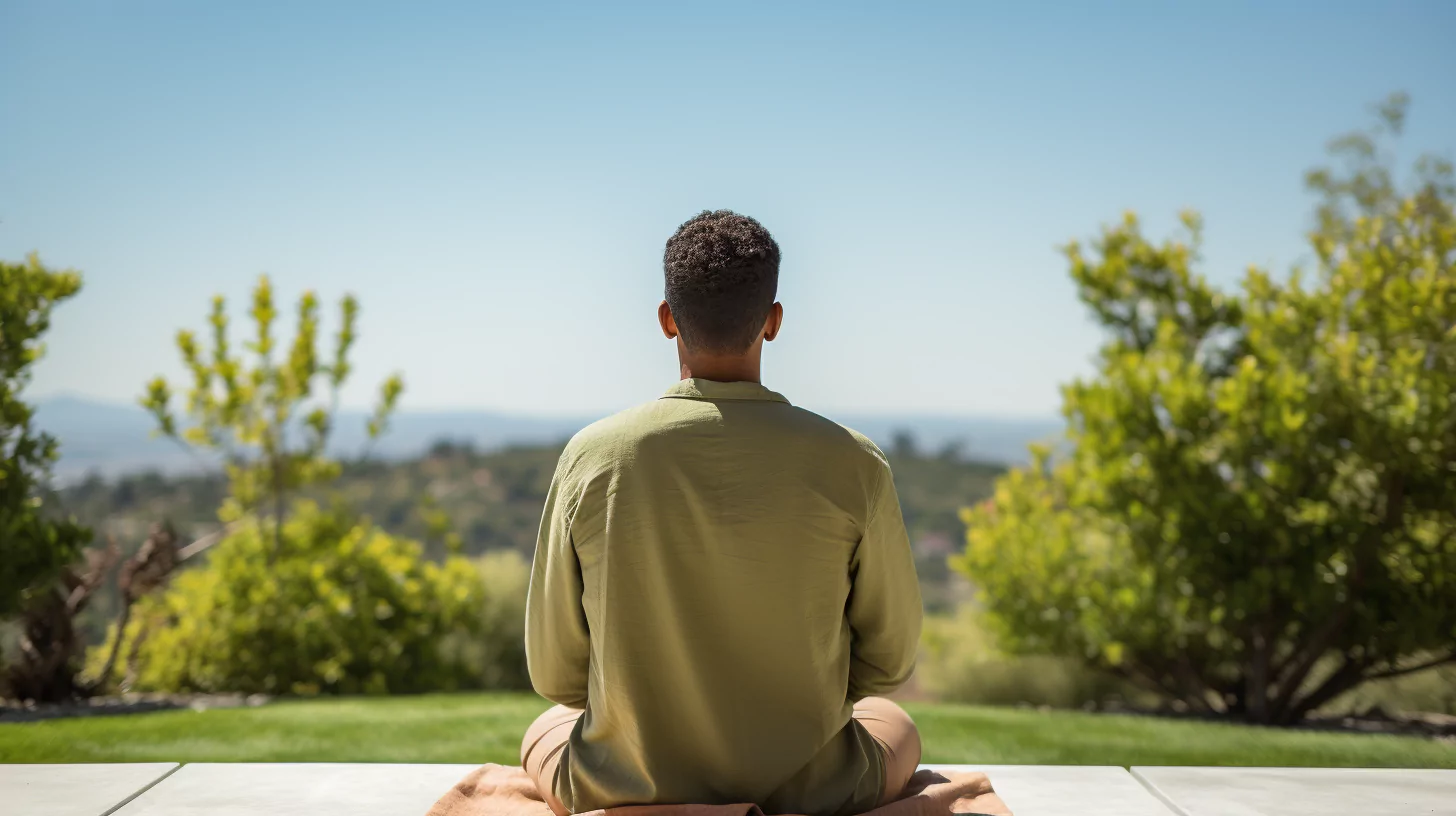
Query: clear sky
{"points": [[496, 182]]}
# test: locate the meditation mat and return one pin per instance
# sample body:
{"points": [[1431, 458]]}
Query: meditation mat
{"points": [[503, 790]]}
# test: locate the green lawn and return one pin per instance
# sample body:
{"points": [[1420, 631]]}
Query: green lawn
{"points": [[487, 727]]}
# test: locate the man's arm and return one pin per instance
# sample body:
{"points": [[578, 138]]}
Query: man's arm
{"points": [[884, 601], [557, 650]]}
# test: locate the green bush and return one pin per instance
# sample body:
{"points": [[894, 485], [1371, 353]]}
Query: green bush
{"points": [[341, 607], [960, 662], [493, 651]]}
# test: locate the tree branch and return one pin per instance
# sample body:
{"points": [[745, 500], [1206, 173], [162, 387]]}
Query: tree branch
{"points": [[202, 544], [1429, 664], [1255, 701], [1197, 688], [1349, 675], [1147, 678], [1293, 672]]}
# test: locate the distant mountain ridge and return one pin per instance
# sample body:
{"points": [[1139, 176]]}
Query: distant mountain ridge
{"points": [[112, 439]]}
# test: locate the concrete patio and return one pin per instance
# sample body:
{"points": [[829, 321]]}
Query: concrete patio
{"points": [[167, 789]]}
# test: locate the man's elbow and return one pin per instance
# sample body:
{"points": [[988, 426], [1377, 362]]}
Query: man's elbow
{"points": [[559, 681], [568, 700], [870, 681], [569, 695]]}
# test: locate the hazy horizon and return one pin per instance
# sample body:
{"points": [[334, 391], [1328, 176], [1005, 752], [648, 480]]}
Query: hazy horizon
{"points": [[114, 438], [553, 413]]}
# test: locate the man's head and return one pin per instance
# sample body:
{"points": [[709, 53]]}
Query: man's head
{"points": [[722, 272]]}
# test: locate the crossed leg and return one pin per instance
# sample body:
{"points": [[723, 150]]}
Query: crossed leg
{"points": [[541, 751], [898, 737], [887, 722]]}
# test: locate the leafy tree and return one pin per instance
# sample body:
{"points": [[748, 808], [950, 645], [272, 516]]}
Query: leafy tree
{"points": [[1258, 512], [317, 602], [34, 547], [266, 415]]}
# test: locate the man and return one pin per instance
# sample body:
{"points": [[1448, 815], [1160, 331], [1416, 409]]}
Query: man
{"points": [[722, 583]]}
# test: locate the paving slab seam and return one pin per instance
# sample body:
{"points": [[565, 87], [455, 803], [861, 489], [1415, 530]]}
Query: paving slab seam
{"points": [[1157, 793], [155, 782]]}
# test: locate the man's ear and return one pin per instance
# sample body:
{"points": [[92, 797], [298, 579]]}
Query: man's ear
{"points": [[664, 319], [774, 323]]}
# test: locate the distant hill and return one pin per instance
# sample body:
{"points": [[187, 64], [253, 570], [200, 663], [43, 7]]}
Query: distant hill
{"points": [[113, 439], [493, 500]]}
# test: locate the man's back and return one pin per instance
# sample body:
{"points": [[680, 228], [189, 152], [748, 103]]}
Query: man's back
{"points": [[719, 576]]}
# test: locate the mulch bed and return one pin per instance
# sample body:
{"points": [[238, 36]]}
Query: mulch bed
{"points": [[1372, 721], [12, 711]]}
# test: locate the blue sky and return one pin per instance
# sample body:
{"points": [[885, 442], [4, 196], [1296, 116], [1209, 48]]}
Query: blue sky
{"points": [[496, 182]]}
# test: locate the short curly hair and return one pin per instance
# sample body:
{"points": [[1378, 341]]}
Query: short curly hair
{"points": [[722, 273]]}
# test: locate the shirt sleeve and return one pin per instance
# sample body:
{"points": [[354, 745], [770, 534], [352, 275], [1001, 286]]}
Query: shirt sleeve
{"points": [[557, 646], [884, 603]]}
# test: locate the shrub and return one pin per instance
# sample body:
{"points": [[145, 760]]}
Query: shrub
{"points": [[340, 607], [493, 651], [960, 662]]}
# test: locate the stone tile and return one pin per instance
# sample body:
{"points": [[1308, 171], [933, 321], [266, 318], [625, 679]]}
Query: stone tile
{"points": [[311, 789], [1303, 791], [1068, 790], [74, 790]]}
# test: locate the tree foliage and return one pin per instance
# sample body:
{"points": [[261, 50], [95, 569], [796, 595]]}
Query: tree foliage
{"points": [[34, 547], [269, 416], [1258, 509], [317, 601]]}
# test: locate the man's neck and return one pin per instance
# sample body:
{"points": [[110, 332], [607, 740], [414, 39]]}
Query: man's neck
{"points": [[721, 367]]}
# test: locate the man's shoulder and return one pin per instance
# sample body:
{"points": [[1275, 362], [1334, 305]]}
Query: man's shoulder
{"points": [[624, 431], [844, 438], [610, 431], [867, 446]]}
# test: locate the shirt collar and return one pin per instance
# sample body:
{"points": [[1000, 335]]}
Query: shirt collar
{"points": [[697, 388]]}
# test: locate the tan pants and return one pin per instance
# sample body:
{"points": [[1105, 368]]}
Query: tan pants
{"points": [[888, 723]]}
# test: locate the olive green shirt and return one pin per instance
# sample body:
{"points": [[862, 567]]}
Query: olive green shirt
{"points": [[719, 576]]}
